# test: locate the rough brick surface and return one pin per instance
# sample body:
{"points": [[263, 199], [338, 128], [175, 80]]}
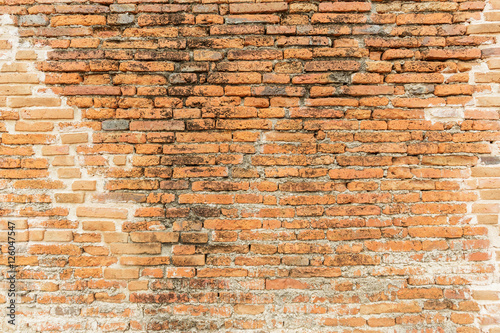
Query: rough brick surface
{"points": [[283, 166]]}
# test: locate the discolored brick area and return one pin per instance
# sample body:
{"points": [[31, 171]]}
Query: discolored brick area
{"points": [[300, 166]]}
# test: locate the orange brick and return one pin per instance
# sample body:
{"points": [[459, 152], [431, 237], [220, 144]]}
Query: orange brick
{"points": [[84, 185], [101, 212], [121, 273]]}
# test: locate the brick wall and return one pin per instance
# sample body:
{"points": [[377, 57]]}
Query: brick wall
{"points": [[267, 167]]}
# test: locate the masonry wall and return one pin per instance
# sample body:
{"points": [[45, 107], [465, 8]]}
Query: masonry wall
{"points": [[218, 166]]}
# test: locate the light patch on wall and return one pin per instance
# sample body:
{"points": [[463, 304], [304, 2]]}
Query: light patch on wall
{"points": [[444, 114]]}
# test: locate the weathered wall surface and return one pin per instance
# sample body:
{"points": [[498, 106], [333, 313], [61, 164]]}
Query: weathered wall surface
{"points": [[238, 166]]}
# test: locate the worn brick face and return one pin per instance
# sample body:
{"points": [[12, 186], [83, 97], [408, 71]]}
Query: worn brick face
{"points": [[281, 166]]}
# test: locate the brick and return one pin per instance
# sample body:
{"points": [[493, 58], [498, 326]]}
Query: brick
{"points": [[58, 236], [70, 197], [332, 66], [189, 172], [230, 78], [285, 284], [156, 125], [338, 18], [248, 309], [24, 139], [47, 114], [74, 138], [257, 8], [101, 212], [414, 78], [315, 272], [91, 90], [236, 30], [84, 185], [411, 293], [19, 102], [15, 90], [68, 173], [435, 54], [194, 260], [121, 273], [84, 20], [344, 7], [68, 249], [401, 307], [351, 260], [437, 18], [154, 237], [98, 225], [115, 125], [18, 78], [120, 19], [232, 224], [214, 272], [483, 28]]}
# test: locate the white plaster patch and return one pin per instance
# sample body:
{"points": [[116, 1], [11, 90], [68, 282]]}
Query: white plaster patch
{"points": [[444, 114], [6, 19]]}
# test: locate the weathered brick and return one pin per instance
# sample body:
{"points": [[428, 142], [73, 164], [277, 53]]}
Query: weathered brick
{"points": [[194, 260], [101, 212], [121, 273], [84, 20], [115, 125]]}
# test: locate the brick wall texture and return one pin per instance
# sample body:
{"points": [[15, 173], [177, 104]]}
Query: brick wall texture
{"points": [[235, 166]]}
